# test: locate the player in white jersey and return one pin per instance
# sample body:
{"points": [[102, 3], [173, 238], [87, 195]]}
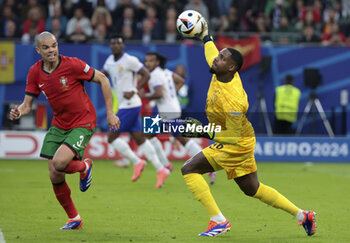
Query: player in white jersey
{"points": [[122, 69], [163, 92]]}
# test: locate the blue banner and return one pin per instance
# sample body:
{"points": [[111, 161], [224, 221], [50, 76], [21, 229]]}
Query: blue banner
{"points": [[302, 149]]}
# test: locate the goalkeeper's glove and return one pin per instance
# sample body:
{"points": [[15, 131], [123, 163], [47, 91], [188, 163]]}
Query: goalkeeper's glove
{"points": [[204, 35], [195, 134]]}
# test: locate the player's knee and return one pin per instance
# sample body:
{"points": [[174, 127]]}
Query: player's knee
{"points": [[139, 140], [56, 177], [186, 168], [110, 139], [112, 136], [59, 165], [249, 190]]}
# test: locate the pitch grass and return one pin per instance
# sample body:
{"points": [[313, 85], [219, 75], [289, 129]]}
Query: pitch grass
{"points": [[116, 210]]}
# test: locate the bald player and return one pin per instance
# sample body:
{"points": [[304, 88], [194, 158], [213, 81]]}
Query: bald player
{"points": [[61, 80]]}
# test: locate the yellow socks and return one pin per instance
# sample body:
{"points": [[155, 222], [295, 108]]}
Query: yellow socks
{"points": [[272, 197], [200, 189]]}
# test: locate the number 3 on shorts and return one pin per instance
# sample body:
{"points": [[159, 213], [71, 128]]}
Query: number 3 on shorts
{"points": [[78, 144]]}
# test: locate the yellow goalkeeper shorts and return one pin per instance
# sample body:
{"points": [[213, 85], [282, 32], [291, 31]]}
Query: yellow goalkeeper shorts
{"points": [[235, 160]]}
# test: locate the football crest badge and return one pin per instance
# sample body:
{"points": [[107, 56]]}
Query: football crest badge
{"points": [[64, 82]]}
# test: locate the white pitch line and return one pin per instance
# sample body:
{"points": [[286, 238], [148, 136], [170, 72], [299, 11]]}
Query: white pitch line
{"points": [[2, 239]]}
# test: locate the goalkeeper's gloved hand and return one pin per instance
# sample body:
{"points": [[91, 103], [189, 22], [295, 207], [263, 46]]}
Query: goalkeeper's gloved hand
{"points": [[205, 31], [194, 134]]}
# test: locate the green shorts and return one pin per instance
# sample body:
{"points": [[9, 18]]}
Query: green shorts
{"points": [[76, 139]]}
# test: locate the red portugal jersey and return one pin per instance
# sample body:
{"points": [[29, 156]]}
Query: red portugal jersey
{"points": [[64, 89]]}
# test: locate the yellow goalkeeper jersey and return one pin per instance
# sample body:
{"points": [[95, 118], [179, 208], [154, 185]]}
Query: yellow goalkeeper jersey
{"points": [[227, 105]]}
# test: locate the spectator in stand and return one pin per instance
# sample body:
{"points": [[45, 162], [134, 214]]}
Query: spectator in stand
{"points": [[309, 35], [249, 20], [280, 8], [56, 29], [146, 34], [15, 6], [157, 27], [111, 5], [335, 37], [330, 17], [199, 6], [101, 15], [282, 34], [25, 10], [127, 32], [8, 16], [223, 6], [51, 7], [222, 25], [171, 13], [233, 18], [309, 20], [171, 34], [309, 7], [100, 33], [346, 8], [141, 7], [261, 27], [84, 24], [297, 9], [85, 5], [30, 36], [319, 7], [35, 20], [338, 9], [229, 23], [11, 30], [128, 18], [68, 9], [78, 36], [57, 13], [119, 11], [171, 4]]}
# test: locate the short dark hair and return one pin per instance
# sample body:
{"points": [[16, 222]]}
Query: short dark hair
{"points": [[116, 36], [162, 59], [237, 57], [289, 79]]}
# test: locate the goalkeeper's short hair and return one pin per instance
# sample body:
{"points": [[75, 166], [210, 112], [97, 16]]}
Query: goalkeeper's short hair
{"points": [[237, 57]]}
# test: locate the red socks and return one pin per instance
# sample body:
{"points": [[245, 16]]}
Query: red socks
{"points": [[75, 166], [62, 193]]}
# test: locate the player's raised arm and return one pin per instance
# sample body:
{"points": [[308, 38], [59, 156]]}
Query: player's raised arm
{"points": [[23, 109], [112, 119], [210, 49]]}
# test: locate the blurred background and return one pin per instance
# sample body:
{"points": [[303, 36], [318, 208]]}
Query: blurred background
{"points": [[306, 39]]}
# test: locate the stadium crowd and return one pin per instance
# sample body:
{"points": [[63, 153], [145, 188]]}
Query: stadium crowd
{"points": [[325, 22]]}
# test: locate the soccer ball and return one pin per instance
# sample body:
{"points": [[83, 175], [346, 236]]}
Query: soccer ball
{"points": [[189, 23]]}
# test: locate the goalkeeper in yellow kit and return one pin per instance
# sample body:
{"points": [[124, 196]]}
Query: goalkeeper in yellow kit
{"points": [[227, 105]]}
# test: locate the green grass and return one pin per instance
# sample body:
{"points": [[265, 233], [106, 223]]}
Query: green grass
{"points": [[116, 210]]}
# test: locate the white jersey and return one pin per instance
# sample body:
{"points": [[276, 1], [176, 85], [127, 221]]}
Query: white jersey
{"points": [[123, 75], [168, 106]]}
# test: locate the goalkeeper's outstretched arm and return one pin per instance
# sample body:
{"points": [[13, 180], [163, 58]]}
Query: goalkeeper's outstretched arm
{"points": [[210, 49]]}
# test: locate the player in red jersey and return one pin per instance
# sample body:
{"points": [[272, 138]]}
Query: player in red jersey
{"points": [[61, 80]]}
